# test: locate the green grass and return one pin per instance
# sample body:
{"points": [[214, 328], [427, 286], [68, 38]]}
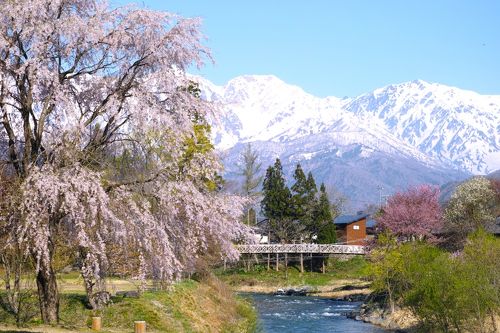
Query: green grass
{"points": [[189, 306], [355, 268]]}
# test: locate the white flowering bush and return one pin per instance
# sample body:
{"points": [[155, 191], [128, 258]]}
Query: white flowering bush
{"points": [[470, 206]]}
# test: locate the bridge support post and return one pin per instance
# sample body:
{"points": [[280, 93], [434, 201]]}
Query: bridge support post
{"points": [[268, 253], [301, 262], [277, 262], [249, 263]]}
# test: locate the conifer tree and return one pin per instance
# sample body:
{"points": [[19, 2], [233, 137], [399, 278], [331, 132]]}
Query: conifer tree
{"points": [[277, 205], [324, 219], [311, 185], [250, 170], [300, 194], [311, 202], [311, 195], [277, 197]]}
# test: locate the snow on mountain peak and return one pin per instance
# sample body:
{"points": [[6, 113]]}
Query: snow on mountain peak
{"points": [[432, 122]]}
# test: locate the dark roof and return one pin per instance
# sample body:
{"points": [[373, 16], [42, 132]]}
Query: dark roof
{"points": [[348, 219], [371, 223]]}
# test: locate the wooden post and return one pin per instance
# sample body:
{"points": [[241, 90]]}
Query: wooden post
{"points": [[225, 264], [256, 258], [301, 262], [139, 326], [286, 266], [323, 268], [277, 262], [269, 254], [96, 323]]}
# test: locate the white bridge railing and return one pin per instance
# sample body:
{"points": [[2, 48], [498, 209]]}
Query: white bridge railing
{"points": [[302, 248]]}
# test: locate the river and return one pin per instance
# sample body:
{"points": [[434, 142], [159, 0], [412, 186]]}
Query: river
{"points": [[301, 314]]}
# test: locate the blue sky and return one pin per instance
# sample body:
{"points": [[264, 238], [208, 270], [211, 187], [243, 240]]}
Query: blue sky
{"points": [[345, 48]]}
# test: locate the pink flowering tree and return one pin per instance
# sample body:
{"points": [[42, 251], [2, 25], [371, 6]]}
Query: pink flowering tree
{"points": [[413, 214], [99, 119]]}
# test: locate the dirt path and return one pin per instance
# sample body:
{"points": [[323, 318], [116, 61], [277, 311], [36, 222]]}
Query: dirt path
{"points": [[38, 329], [50, 329]]}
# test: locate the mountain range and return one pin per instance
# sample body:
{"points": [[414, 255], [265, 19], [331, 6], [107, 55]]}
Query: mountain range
{"points": [[365, 147]]}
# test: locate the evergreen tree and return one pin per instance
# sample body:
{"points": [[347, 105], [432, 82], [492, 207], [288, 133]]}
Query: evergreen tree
{"points": [[277, 205], [300, 193], [311, 185], [250, 170], [324, 219], [310, 204]]}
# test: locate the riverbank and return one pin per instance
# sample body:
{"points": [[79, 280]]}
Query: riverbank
{"points": [[402, 320], [190, 306], [351, 290], [335, 289], [342, 279]]}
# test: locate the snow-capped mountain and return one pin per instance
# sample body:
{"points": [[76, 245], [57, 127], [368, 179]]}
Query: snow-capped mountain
{"points": [[401, 134], [432, 122], [452, 125]]}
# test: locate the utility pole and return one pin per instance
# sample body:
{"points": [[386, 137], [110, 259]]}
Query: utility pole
{"points": [[380, 188], [385, 197]]}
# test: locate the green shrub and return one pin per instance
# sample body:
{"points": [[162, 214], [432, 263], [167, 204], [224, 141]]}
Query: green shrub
{"points": [[448, 292]]}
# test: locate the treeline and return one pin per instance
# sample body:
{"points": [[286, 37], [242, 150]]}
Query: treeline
{"points": [[441, 262], [299, 213]]}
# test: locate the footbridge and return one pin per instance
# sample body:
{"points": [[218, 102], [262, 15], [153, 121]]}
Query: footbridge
{"points": [[301, 248]]}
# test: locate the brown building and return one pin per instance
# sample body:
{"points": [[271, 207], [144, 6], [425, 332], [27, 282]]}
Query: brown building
{"points": [[351, 229]]}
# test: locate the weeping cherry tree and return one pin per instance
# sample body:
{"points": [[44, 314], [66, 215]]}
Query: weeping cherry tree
{"points": [[82, 85]]}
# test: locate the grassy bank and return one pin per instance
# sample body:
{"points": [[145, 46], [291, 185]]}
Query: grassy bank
{"points": [[355, 268], [190, 306]]}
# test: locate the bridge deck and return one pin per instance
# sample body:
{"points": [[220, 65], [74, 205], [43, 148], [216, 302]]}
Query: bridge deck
{"points": [[302, 248]]}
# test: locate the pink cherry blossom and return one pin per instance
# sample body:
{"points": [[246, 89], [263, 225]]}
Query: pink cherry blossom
{"points": [[81, 85], [415, 213]]}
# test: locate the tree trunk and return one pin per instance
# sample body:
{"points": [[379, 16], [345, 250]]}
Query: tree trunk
{"points": [[95, 284], [48, 294], [391, 301]]}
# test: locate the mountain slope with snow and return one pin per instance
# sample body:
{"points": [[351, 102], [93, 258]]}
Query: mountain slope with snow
{"points": [[431, 122], [392, 137], [452, 125]]}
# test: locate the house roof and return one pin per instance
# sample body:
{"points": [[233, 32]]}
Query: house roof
{"points": [[348, 219], [371, 223]]}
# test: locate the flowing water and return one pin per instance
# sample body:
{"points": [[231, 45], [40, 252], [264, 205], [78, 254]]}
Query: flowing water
{"points": [[300, 314]]}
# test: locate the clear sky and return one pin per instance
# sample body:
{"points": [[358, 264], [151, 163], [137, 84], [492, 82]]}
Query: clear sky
{"points": [[345, 48]]}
